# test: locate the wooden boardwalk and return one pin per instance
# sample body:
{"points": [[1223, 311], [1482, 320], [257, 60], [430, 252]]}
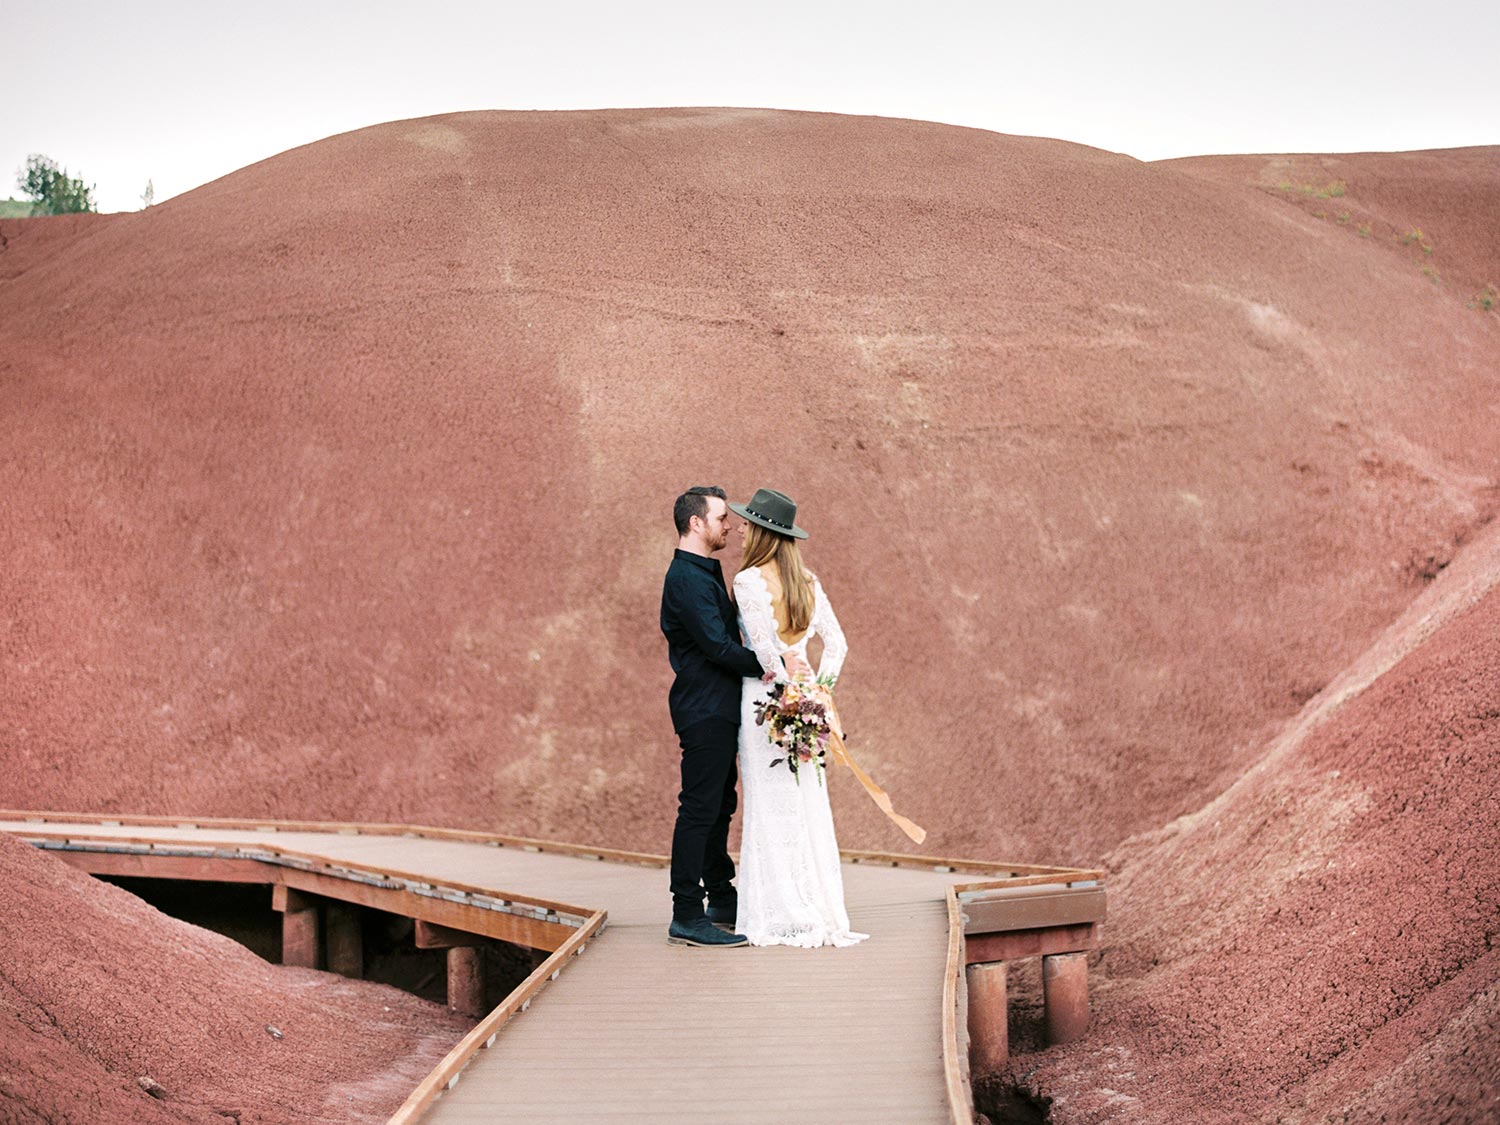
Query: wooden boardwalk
{"points": [[632, 1028]]}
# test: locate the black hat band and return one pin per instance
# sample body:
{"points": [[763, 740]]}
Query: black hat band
{"points": [[768, 519]]}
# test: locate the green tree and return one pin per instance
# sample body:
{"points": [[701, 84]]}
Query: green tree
{"points": [[51, 189]]}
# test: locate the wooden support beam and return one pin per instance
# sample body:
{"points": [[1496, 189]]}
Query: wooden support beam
{"points": [[466, 981], [522, 930], [300, 938], [1065, 995], [1017, 944], [286, 900], [432, 936], [344, 940], [989, 1031], [1019, 910], [185, 867]]}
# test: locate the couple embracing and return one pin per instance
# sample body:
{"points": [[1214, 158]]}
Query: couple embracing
{"points": [[791, 889]]}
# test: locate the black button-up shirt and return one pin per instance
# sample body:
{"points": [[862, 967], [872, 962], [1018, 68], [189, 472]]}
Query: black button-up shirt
{"points": [[703, 642]]}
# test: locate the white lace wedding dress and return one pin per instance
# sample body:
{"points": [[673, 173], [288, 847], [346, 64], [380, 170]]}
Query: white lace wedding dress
{"points": [[791, 885]]}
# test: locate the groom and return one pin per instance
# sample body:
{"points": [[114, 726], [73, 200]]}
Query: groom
{"points": [[703, 644]]}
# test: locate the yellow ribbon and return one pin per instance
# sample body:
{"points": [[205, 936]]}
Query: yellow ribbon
{"points": [[841, 753]]}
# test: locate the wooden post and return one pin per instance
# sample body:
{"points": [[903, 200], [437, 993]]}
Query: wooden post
{"points": [[989, 1033], [300, 936], [466, 980], [346, 949], [429, 935], [1065, 995], [465, 965]]}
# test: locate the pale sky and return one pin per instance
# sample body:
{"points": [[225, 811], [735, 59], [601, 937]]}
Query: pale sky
{"points": [[183, 92]]}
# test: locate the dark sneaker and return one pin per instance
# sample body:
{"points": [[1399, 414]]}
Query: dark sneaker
{"points": [[702, 932], [723, 915]]}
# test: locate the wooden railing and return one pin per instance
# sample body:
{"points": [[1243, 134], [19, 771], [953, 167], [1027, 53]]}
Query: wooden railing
{"points": [[955, 1023], [494, 840], [445, 1075]]}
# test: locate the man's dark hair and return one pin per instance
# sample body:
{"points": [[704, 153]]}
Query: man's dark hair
{"points": [[694, 502]]}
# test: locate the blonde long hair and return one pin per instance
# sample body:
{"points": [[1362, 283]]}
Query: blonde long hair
{"points": [[762, 546]]}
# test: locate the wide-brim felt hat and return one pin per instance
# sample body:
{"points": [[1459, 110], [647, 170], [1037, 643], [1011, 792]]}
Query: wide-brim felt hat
{"points": [[773, 510]]}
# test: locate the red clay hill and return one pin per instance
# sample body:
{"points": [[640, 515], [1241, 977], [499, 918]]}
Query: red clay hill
{"points": [[339, 488], [123, 993], [1321, 942]]}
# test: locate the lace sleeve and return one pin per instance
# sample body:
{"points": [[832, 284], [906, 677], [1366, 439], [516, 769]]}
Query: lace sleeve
{"points": [[835, 648], [754, 600]]}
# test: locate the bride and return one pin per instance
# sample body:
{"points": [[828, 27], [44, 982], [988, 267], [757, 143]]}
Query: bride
{"points": [[791, 887]]}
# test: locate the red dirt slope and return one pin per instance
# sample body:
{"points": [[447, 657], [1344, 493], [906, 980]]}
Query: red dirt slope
{"points": [[98, 989], [1322, 942], [1421, 203], [338, 487]]}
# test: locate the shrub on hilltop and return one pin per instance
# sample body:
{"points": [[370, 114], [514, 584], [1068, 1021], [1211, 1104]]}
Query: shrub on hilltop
{"points": [[51, 189]]}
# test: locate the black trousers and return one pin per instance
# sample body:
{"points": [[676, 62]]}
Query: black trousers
{"points": [[700, 842]]}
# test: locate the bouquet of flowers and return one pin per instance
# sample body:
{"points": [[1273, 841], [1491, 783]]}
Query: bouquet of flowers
{"points": [[797, 715]]}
